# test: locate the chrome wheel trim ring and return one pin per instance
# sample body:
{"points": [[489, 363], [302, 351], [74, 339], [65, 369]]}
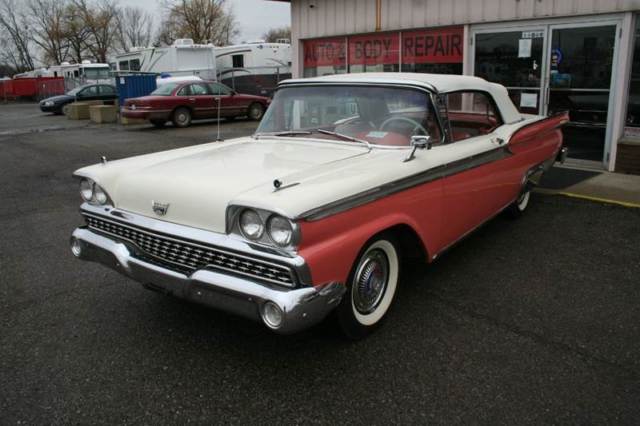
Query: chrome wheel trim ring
{"points": [[182, 118], [382, 306], [370, 281], [256, 112], [523, 200]]}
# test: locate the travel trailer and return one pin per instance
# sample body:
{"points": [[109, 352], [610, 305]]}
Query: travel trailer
{"points": [[255, 67], [182, 58]]}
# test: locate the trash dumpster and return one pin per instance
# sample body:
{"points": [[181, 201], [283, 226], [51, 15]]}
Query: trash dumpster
{"points": [[135, 85]]}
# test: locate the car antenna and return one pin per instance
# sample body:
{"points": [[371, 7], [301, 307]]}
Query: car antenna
{"points": [[218, 99]]}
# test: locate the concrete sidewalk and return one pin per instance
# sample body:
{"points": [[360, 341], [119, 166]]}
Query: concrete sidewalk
{"points": [[614, 188]]}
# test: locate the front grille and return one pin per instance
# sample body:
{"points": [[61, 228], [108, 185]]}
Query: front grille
{"points": [[186, 256]]}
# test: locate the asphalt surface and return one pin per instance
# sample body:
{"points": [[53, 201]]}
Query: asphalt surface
{"points": [[525, 322]]}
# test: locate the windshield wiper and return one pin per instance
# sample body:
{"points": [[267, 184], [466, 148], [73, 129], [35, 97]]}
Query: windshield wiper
{"points": [[344, 137], [293, 133]]}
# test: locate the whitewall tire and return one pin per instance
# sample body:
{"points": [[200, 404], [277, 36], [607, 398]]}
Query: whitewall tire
{"points": [[371, 289], [520, 204]]}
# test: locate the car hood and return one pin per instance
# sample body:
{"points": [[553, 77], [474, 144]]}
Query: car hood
{"points": [[200, 182], [58, 99]]}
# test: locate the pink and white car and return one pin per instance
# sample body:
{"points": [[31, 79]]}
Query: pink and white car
{"points": [[346, 177]]}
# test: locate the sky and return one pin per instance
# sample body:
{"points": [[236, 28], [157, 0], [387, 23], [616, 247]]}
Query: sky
{"points": [[255, 17]]}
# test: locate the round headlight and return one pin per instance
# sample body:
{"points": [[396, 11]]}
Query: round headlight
{"points": [[251, 224], [86, 189], [280, 230], [99, 195]]}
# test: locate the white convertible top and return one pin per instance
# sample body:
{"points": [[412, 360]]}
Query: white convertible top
{"points": [[442, 83]]}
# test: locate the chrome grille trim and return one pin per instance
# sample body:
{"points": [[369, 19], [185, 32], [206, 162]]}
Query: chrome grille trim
{"points": [[186, 256]]}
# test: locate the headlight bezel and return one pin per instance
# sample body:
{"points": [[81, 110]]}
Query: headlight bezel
{"points": [[234, 227], [103, 200]]}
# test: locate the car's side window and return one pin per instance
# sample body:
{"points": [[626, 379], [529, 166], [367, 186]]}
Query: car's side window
{"points": [[185, 91], [471, 113], [199, 90], [219, 89], [89, 91], [107, 90]]}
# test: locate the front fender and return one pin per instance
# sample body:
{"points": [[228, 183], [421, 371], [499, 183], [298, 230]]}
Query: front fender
{"points": [[330, 245]]}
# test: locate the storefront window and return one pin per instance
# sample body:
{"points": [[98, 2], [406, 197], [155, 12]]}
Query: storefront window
{"points": [[374, 53], [324, 57], [633, 108], [433, 51]]}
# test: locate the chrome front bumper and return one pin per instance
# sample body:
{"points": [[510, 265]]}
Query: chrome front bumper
{"points": [[301, 307]]}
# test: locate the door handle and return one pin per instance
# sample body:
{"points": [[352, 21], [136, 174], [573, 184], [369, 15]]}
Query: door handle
{"points": [[192, 99]]}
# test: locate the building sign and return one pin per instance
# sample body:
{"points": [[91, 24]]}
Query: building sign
{"points": [[371, 49], [439, 46], [324, 52]]}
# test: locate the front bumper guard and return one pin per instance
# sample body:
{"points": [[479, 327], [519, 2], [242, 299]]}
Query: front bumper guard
{"points": [[301, 308]]}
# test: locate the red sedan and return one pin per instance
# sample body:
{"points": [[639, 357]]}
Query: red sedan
{"points": [[185, 101]]}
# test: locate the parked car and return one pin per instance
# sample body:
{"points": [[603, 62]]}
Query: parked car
{"points": [[181, 102], [89, 92], [346, 178]]}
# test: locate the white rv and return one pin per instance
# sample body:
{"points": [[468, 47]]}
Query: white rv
{"points": [[182, 58], [83, 73], [255, 67]]}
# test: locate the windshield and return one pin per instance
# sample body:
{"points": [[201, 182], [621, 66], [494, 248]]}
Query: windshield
{"points": [[378, 115], [97, 73], [165, 90], [75, 91]]}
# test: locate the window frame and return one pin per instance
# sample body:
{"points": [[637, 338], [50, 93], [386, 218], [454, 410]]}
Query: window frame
{"points": [[491, 100]]}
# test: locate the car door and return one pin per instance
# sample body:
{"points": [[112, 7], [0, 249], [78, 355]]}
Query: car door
{"points": [[226, 99], [203, 101], [89, 93], [107, 93], [477, 183]]}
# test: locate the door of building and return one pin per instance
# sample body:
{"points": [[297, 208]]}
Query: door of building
{"points": [[579, 80], [549, 68]]}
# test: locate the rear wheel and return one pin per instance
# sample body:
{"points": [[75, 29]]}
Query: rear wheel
{"points": [[256, 111], [181, 117], [519, 206], [158, 123], [371, 288]]}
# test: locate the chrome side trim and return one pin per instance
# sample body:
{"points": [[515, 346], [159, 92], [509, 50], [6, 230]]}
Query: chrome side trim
{"points": [[204, 237], [390, 188]]}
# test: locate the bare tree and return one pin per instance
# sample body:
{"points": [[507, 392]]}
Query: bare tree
{"points": [[48, 29], [275, 34], [204, 21], [134, 27], [14, 27], [99, 18], [78, 35]]}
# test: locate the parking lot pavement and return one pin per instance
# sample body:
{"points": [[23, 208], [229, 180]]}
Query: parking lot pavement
{"points": [[528, 321]]}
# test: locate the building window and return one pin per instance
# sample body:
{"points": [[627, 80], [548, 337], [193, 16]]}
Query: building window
{"points": [[124, 65], [324, 57], [433, 51], [238, 61], [374, 53]]}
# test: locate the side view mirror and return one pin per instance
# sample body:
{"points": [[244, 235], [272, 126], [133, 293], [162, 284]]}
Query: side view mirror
{"points": [[418, 142]]}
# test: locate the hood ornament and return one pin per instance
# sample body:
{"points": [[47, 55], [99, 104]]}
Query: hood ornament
{"points": [[159, 208]]}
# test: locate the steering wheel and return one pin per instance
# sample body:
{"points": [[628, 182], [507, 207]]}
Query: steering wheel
{"points": [[417, 126]]}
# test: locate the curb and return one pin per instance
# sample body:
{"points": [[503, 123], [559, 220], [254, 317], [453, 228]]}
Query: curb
{"points": [[587, 197]]}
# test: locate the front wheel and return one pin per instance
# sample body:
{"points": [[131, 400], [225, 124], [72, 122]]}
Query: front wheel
{"points": [[181, 117], [371, 288], [256, 111], [519, 206]]}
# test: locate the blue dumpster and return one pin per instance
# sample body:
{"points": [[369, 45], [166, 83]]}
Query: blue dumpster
{"points": [[135, 85]]}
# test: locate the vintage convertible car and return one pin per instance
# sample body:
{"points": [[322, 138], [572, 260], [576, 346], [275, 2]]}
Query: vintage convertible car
{"points": [[346, 177]]}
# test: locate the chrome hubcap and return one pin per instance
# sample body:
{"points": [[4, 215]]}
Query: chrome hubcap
{"points": [[256, 112], [370, 282]]}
